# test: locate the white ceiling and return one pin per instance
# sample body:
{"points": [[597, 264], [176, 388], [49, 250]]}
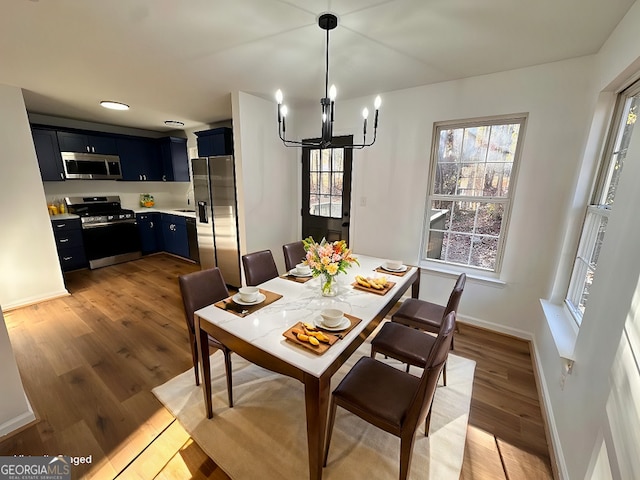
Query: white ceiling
{"points": [[180, 60]]}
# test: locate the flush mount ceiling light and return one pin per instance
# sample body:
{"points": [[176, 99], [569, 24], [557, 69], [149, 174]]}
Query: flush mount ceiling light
{"points": [[327, 22], [173, 123], [114, 105]]}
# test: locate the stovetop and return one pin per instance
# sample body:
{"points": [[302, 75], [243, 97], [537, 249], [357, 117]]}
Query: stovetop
{"points": [[99, 209]]}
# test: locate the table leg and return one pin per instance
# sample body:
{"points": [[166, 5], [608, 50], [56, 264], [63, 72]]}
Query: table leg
{"points": [[316, 397], [415, 286], [202, 340]]}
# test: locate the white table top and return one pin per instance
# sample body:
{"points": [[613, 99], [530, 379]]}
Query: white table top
{"points": [[303, 302]]}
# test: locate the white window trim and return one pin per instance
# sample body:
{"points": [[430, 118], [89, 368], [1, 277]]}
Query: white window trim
{"points": [[491, 276]]}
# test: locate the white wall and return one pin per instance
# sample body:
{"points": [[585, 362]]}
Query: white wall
{"points": [[267, 174], [15, 410], [601, 396], [29, 268], [392, 176]]}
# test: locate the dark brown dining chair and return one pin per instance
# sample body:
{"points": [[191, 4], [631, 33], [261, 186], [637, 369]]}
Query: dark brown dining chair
{"points": [[200, 289], [409, 345], [428, 316], [294, 253], [390, 399], [259, 267]]}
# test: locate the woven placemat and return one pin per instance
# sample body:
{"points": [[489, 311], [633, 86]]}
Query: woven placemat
{"points": [[397, 274], [288, 276], [243, 310]]}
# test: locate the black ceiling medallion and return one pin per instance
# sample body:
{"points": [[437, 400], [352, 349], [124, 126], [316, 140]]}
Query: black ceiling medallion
{"points": [[327, 22]]}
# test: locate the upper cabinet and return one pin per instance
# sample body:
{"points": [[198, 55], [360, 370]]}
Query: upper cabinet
{"points": [[175, 161], [87, 143], [140, 159], [48, 153], [217, 141]]}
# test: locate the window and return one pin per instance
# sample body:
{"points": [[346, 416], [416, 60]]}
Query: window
{"points": [[325, 182], [473, 165], [597, 215]]}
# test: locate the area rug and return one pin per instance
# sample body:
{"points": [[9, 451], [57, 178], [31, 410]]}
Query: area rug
{"points": [[264, 435]]}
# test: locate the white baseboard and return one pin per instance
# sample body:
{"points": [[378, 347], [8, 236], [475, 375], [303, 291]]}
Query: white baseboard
{"points": [[561, 466], [495, 327], [17, 422], [25, 302]]}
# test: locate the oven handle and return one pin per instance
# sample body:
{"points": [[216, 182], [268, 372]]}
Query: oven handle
{"points": [[106, 224]]}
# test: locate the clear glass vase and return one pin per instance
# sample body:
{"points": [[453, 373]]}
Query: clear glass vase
{"points": [[329, 285]]}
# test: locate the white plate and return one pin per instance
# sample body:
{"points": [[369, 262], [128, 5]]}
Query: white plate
{"points": [[261, 298], [344, 324], [403, 268], [296, 274]]}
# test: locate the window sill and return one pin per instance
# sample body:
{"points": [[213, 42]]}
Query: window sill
{"points": [[471, 274], [563, 329]]}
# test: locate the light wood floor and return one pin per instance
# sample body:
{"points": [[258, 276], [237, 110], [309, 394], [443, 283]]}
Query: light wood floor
{"points": [[89, 361]]}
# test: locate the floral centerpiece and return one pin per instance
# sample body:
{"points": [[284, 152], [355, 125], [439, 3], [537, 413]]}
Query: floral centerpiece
{"points": [[327, 259]]}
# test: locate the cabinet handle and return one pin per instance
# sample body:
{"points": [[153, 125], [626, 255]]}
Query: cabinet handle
{"points": [[88, 149], [67, 258], [93, 149], [172, 227], [64, 240], [62, 175], [61, 225], [150, 224], [164, 178], [144, 177]]}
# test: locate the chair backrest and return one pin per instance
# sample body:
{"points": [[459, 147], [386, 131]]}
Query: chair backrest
{"points": [[259, 267], [294, 253], [200, 289], [429, 380], [456, 294]]}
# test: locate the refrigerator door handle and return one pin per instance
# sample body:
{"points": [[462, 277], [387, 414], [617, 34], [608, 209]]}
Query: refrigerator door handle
{"points": [[202, 212]]}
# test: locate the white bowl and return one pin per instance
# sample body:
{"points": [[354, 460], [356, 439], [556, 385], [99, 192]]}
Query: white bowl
{"points": [[248, 294], [331, 317], [393, 264], [303, 269]]}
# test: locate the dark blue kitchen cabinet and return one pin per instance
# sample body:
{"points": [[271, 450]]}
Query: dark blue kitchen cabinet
{"points": [[69, 243], [175, 161], [174, 235], [87, 143], [48, 153], [217, 141], [139, 159], [150, 230]]}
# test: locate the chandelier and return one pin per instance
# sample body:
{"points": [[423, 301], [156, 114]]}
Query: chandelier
{"points": [[327, 22]]}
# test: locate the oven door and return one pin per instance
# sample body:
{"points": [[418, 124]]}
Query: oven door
{"points": [[111, 243]]}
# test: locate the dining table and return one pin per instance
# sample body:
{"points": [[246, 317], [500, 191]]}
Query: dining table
{"points": [[257, 334]]}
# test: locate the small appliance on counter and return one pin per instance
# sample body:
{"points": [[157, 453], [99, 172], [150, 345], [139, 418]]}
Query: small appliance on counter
{"points": [[146, 200]]}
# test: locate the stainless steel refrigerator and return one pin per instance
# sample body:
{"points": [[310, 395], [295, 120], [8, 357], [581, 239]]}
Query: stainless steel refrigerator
{"points": [[214, 190]]}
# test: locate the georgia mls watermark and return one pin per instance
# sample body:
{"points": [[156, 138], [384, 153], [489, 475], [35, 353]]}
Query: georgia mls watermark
{"points": [[39, 468]]}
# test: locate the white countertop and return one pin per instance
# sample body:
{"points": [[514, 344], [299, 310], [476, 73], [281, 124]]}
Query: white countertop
{"points": [[303, 302], [171, 211]]}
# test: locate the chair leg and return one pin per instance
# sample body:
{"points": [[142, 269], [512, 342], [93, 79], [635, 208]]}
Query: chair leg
{"points": [[408, 365], [444, 374], [332, 418], [427, 423], [373, 352], [406, 452], [196, 363], [228, 371]]}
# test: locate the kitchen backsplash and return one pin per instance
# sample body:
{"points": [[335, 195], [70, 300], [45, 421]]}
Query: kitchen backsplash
{"points": [[165, 194]]}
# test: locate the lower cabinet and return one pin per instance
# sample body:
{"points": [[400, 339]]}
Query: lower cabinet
{"points": [[68, 235], [174, 234], [150, 229]]}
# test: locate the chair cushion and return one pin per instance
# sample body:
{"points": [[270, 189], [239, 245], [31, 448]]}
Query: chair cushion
{"points": [[403, 343], [377, 392], [420, 314]]}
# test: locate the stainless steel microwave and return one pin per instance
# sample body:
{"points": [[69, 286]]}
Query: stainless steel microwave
{"points": [[91, 166]]}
